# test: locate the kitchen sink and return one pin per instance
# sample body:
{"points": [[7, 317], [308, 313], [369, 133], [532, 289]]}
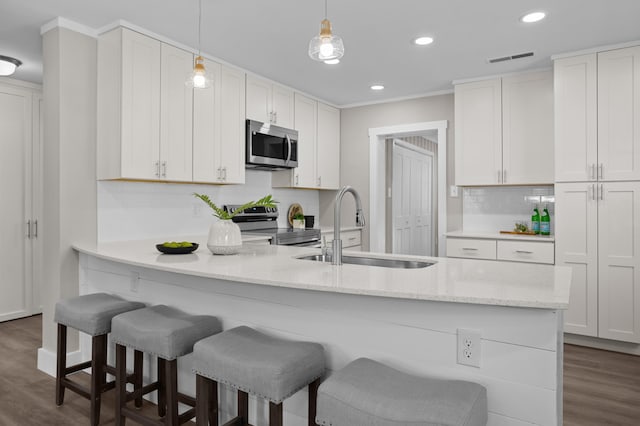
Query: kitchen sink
{"points": [[371, 261]]}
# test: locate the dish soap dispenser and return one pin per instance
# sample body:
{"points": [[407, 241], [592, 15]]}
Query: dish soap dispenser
{"points": [[545, 222], [535, 220]]}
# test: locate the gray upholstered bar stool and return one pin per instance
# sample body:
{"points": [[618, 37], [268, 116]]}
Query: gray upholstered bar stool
{"points": [[366, 392], [90, 314], [257, 364], [168, 334]]}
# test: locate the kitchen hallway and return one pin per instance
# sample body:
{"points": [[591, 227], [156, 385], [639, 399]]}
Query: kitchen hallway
{"points": [[600, 387]]}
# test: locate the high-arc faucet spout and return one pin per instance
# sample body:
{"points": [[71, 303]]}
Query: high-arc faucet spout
{"points": [[337, 208]]}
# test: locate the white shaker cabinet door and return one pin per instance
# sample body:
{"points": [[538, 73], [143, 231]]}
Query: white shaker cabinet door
{"points": [[306, 112], [206, 129], [576, 234], [328, 147], [232, 125], [478, 127], [619, 114], [619, 260], [176, 119], [282, 105], [576, 119], [527, 128], [258, 101]]}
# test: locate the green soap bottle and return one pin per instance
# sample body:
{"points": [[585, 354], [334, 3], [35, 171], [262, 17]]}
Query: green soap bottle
{"points": [[535, 220], [545, 223]]}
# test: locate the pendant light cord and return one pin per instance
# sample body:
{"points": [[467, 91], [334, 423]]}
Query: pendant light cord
{"points": [[199, 24], [325, 9]]}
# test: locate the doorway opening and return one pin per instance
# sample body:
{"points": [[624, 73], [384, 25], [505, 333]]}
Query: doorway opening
{"points": [[381, 233]]}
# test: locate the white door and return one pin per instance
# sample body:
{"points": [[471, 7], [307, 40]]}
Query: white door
{"points": [[619, 261], [576, 118], [619, 114], [412, 200], [15, 206], [576, 234]]}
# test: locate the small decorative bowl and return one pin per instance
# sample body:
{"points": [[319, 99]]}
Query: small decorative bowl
{"points": [[176, 250]]}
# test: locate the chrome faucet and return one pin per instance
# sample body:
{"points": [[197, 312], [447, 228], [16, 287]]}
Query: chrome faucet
{"points": [[337, 242]]}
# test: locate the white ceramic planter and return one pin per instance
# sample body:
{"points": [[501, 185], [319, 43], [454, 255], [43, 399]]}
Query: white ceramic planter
{"points": [[298, 223], [224, 237]]}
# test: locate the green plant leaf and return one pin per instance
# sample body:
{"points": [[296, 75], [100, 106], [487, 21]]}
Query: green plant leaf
{"points": [[266, 201]]}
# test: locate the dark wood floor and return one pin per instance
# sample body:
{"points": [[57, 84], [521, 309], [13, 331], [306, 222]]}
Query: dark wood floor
{"points": [[600, 387]]}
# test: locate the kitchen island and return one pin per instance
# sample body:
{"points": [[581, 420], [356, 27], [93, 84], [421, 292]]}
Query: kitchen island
{"points": [[407, 318]]}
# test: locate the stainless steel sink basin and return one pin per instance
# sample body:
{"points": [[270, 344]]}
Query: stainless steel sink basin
{"points": [[371, 261]]}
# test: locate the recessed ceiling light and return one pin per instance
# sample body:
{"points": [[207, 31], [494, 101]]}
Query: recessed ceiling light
{"points": [[533, 17], [332, 61], [423, 41], [377, 87]]}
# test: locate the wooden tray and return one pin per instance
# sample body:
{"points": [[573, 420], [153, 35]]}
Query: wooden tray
{"points": [[518, 233]]}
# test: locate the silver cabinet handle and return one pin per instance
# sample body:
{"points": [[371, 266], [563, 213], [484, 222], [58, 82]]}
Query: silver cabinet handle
{"points": [[275, 117], [297, 179], [319, 180], [601, 171], [224, 173], [157, 165], [164, 169], [219, 176], [593, 170], [499, 176], [601, 192], [35, 228], [592, 191], [504, 176], [29, 229], [469, 248], [524, 251]]}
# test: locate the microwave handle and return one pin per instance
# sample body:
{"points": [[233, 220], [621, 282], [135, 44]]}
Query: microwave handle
{"points": [[288, 149]]}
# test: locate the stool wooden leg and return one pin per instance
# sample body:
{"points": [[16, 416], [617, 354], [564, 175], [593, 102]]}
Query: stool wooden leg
{"points": [[171, 418], [206, 401], [243, 408], [275, 414], [162, 386], [313, 400], [137, 373], [61, 363], [121, 383], [98, 374]]}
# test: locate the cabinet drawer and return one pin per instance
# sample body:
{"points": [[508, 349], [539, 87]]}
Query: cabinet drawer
{"points": [[349, 238], [470, 248], [526, 251]]}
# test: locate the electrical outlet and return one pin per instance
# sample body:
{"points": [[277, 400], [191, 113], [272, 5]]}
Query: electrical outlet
{"points": [[453, 191], [469, 345]]}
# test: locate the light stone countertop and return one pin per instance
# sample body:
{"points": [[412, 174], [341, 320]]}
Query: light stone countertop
{"points": [[499, 236], [449, 280]]}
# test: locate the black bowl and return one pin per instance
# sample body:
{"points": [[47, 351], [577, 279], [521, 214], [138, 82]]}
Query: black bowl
{"points": [[176, 250]]}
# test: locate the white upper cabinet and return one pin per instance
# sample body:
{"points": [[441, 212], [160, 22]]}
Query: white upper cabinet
{"points": [[504, 131], [328, 147], [619, 114], [576, 118], [527, 128], [218, 127], [269, 103], [306, 113], [478, 138], [128, 126], [176, 115]]}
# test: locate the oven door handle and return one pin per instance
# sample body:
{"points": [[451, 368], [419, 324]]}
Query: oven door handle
{"points": [[288, 150]]}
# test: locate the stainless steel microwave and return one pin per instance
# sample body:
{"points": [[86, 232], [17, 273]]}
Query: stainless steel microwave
{"points": [[271, 147]]}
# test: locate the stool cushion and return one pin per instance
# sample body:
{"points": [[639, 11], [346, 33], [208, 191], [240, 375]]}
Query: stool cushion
{"points": [[367, 393], [253, 362], [162, 331], [92, 313]]}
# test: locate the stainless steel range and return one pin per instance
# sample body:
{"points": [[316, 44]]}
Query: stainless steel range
{"points": [[263, 221]]}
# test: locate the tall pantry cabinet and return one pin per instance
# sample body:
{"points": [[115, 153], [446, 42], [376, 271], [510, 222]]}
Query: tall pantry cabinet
{"points": [[597, 138]]}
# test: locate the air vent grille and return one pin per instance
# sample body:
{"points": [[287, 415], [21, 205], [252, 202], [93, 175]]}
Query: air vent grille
{"points": [[510, 58]]}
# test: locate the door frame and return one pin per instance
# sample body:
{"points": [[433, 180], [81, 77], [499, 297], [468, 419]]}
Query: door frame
{"points": [[377, 190]]}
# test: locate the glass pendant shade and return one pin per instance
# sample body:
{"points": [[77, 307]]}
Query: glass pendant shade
{"points": [[8, 65], [326, 46], [199, 78]]}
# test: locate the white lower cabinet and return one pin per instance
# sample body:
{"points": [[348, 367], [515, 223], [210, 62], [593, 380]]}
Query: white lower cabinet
{"points": [[597, 235], [494, 249], [351, 240], [470, 248]]}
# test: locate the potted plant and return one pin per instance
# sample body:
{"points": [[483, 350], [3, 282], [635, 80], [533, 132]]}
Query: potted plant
{"points": [[298, 221], [224, 234]]}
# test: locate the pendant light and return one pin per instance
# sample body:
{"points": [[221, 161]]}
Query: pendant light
{"points": [[8, 65], [199, 78], [326, 46]]}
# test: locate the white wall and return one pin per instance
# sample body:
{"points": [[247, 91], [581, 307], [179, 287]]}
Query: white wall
{"points": [[141, 210], [354, 150]]}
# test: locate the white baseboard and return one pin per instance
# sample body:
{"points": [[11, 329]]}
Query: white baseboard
{"points": [[47, 360], [605, 344]]}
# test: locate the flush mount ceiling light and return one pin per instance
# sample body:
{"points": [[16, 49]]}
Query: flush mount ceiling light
{"points": [[533, 17], [377, 87], [332, 62], [199, 78], [8, 65], [423, 41], [326, 46]]}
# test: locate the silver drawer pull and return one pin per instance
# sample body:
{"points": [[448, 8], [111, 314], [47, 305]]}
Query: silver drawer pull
{"points": [[352, 238], [524, 251], [470, 248]]}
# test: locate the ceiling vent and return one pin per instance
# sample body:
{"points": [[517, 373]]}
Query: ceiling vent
{"points": [[510, 58]]}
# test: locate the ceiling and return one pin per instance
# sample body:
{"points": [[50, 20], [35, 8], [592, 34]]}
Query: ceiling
{"points": [[270, 37]]}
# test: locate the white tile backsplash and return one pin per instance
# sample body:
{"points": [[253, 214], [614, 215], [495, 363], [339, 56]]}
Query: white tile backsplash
{"points": [[494, 209], [140, 210]]}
